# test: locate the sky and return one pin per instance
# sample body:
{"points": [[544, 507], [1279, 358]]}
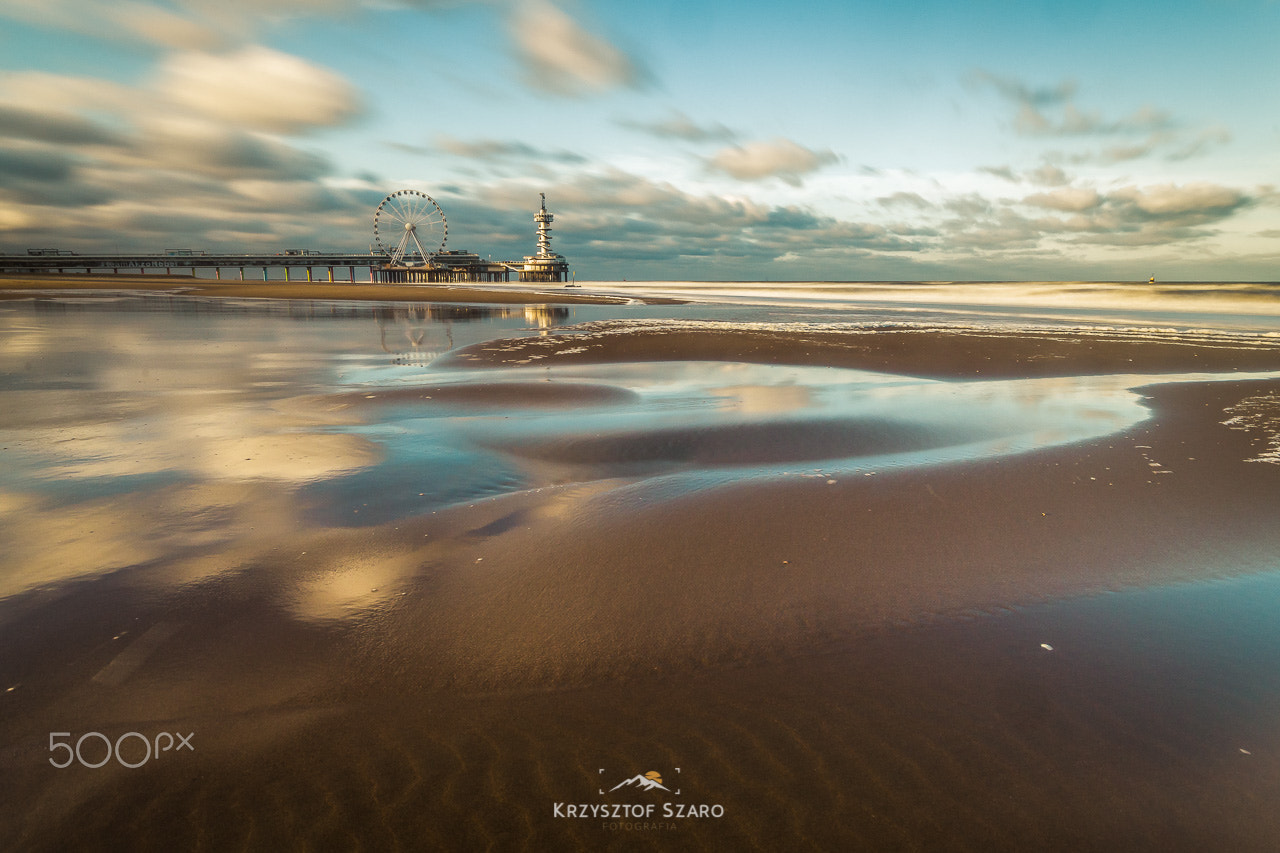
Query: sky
{"points": [[690, 140]]}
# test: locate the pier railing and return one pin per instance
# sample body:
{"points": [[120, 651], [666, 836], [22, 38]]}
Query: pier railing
{"points": [[61, 261]]}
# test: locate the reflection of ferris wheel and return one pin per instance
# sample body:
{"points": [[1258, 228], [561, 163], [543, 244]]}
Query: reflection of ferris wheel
{"points": [[407, 223]]}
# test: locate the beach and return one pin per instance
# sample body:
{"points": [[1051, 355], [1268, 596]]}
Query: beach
{"points": [[834, 627]]}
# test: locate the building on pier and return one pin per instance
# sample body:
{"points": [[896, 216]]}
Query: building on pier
{"points": [[546, 265], [408, 224], [451, 266]]}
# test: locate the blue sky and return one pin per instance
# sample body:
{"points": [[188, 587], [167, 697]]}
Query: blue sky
{"points": [[690, 140]]}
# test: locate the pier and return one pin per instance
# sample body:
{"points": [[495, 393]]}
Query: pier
{"points": [[409, 228], [308, 266]]}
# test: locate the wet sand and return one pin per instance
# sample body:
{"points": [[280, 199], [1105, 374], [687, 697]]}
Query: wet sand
{"points": [[24, 286], [840, 662], [587, 581], [933, 352]]}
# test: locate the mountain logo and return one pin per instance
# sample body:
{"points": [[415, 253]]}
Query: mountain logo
{"points": [[643, 782]]}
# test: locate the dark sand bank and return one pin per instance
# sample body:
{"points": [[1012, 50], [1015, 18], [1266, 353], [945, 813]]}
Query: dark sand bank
{"points": [[765, 443], [932, 352], [23, 287], [803, 650]]}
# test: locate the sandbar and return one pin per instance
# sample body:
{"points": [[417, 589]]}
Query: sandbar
{"points": [[939, 352]]}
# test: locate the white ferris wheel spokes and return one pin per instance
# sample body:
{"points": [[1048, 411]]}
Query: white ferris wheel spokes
{"points": [[409, 223]]}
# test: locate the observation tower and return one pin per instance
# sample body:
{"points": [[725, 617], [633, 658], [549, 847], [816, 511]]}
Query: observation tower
{"points": [[546, 265]]}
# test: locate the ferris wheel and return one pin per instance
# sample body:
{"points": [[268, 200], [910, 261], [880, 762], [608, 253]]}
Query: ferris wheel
{"points": [[409, 223]]}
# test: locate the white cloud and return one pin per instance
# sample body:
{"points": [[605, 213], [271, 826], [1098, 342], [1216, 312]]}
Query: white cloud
{"points": [[1202, 143], [1048, 176], [778, 158], [1016, 90], [903, 198], [1036, 106], [1173, 200], [258, 88], [148, 23], [680, 126], [561, 57], [493, 150], [1074, 122], [1134, 216], [1065, 199], [161, 26], [1147, 131], [45, 92], [203, 147]]}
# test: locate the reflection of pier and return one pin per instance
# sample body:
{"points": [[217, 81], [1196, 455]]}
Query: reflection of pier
{"points": [[537, 315], [412, 323]]}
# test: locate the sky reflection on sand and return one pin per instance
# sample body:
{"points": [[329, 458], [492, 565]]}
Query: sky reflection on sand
{"points": [[694, 416], [138, 432]]}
